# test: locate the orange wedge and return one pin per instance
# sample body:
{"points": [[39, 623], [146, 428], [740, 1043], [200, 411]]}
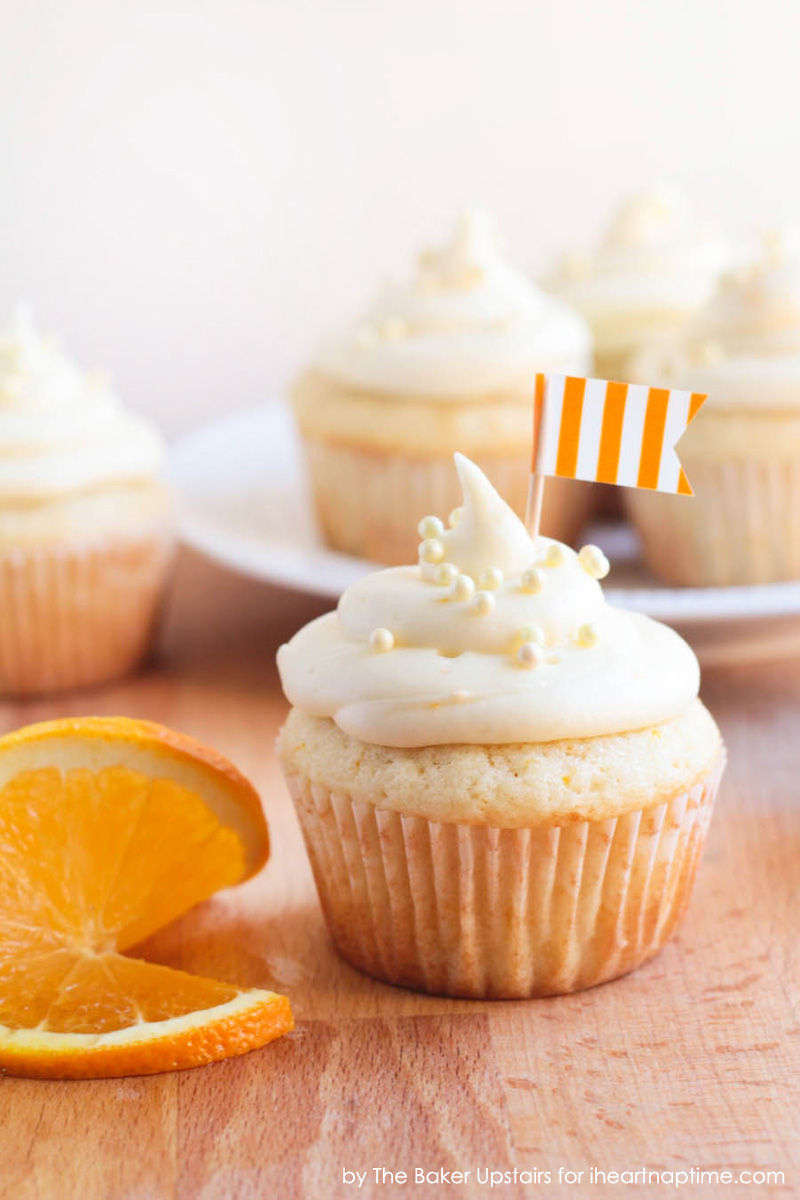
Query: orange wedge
{"points": [[109, 829]]}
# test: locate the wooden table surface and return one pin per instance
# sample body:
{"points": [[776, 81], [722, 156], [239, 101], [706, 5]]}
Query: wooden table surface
{"points": [[691, 1062]]}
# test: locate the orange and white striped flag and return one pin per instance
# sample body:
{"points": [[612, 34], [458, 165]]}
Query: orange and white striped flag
{"points": [[621, 433]]}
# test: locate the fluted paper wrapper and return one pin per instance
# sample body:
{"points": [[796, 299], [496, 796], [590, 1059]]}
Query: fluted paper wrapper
{"points": [[369, 502], [742, 526], [74, 617], [466, 910]]}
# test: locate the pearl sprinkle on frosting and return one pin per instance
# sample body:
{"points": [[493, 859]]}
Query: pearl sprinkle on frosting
{"points": [[532, 633], [483, 603], [463, 588], [491, 578], [393, 329], [430, 527], [530, 655], [365, 337], [532, 580], [594, 562], [556, 555], [446, 574], [431, 550], [381, 640]]}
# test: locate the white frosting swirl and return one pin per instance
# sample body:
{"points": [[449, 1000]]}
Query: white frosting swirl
{"points": [[492, 639], [60, 430], [466, 324], [653, 256], [743, 348]]}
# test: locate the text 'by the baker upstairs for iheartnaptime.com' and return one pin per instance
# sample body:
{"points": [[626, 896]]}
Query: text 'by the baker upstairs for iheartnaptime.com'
{"points": [[488, 1177]]}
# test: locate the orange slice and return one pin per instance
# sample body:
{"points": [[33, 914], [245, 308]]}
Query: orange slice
{"points": [[109, 829]]}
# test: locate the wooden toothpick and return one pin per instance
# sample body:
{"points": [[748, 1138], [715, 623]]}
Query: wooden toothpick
{"points": [[533, 508]]}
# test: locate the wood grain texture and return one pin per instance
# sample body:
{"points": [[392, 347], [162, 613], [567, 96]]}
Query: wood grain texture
{"points": [[694, 1060]]}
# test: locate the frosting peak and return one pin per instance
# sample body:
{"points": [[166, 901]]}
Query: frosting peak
{"points": [[62, 431], [487, 534], [462, 261], [492, 638], [33, 372], [464, 323], [655, 219]]}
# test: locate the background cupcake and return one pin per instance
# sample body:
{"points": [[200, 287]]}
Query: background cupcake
{"points": [[653, 269], [503, 783], [742, 451], [444, 361], [85, 523]]}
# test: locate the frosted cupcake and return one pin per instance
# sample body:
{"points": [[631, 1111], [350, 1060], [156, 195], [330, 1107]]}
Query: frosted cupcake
{"points": [[742, 451], [504, 784], [85, 523], [446, 360], [651, 272]]}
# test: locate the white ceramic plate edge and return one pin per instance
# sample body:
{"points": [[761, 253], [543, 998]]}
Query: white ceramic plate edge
{"points": [[214, 465]]}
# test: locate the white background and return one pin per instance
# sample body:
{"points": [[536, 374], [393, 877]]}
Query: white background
{"points": [[190, 191]]}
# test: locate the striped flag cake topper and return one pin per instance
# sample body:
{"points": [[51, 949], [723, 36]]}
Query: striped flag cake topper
{"points": [[606, 432]]}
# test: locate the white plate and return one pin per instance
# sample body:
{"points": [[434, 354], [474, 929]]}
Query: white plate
{"points": [[245, 503]]}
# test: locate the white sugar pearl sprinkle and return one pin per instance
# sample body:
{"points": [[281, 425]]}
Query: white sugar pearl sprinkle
{"points": [[532, 633], [381, 640], [530, 655], [594, 562], [482, 603], [366, 337], [556, 555], [532, 580], [393, 329], [455, 517], [446, 574], [588, 635], [430, 527], [463, 588], [491, 578], [431, 551]]}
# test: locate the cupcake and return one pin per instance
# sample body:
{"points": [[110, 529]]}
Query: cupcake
{"points": [[742, 451], [652, 271], [504, 784], [446, 360], [85, 522]]}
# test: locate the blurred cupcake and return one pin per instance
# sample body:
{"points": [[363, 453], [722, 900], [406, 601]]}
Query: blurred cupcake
{"points": [[85, 522], [742, 451], [650, 273], [444, 361], [504, 784]]}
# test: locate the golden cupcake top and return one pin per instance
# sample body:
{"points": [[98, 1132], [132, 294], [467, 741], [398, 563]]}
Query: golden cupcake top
{"points": [[464, 323], [63, 431], [492, 638]]}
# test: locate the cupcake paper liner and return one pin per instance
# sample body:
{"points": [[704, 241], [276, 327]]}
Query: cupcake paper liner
{"points": [[74, 617], [466, 910], [369, 502], [741, 527]]}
